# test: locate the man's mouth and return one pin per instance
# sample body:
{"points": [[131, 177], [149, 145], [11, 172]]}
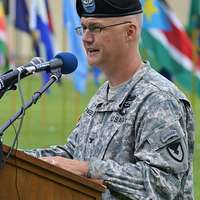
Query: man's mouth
{"points": [[92, 51]]}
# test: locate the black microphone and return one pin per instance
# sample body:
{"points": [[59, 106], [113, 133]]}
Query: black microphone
{"points": [[8, 79], [67, 63]]}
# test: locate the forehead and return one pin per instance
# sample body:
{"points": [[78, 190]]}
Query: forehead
{"points": [[87, 20]]}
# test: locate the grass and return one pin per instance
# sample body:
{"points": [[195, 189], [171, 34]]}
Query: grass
{"points": [[52, 118], [48, 121]]}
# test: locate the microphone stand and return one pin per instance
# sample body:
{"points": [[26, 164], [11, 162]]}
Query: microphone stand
{"points": [[54, 77], [12, 87], [1, 154]]}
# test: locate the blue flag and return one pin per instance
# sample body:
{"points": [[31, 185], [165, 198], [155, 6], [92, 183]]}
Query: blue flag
{"points": [[72, 20], [39, 22], [22, 16], [153, 15]]}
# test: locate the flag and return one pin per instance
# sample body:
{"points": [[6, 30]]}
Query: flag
{"points": [[6, 4], [71, 21], [22, 16], [39, 24], [3, 38], [153, 17], [194, 23], [49, 16], [194, 18], [21, 21], [170, 47]]}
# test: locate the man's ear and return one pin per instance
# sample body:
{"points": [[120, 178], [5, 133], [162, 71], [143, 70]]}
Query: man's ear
{"points": [[131, 31]]}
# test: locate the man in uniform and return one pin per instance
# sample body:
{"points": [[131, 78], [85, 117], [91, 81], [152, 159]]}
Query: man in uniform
{"points": [[137, 133]]}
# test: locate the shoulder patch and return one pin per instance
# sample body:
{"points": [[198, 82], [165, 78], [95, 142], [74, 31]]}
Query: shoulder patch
{"points": [[175, 150]]}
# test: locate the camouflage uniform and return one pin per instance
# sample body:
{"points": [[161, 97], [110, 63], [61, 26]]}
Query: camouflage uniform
{"points": [[140, 142]]}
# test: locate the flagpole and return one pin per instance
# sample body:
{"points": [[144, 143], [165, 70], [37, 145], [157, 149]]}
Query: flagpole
{"points": [[195, 61]]}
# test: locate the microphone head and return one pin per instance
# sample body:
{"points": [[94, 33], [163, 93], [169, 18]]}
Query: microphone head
{"points": [[69, 60]]}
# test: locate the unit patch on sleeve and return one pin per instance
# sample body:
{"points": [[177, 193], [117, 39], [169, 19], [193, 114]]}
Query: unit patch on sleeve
{"points": [[175, 150]]}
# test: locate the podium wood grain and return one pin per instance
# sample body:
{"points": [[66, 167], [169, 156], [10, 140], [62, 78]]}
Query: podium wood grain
{"points": [[27, 178]]}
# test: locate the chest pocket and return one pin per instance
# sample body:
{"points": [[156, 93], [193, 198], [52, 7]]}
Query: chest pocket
{"points": [[96, 136], [106, 134]]}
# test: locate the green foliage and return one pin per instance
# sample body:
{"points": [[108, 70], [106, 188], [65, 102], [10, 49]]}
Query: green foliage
{"points": [[52, 118]]}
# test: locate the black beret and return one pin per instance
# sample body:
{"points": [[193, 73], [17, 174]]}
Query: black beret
{"points": [[108, 8]]}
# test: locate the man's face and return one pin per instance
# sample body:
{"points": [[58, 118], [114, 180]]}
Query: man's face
{"points": [[103, 46]]}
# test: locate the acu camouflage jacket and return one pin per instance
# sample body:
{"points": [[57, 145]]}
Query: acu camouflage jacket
{"points": [[140, 142]]}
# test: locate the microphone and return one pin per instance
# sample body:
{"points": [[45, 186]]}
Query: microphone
{"points": [[9, 78], [67, 63]]}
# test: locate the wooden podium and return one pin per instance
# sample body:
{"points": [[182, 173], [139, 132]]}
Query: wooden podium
{"points": [[27, 178]]}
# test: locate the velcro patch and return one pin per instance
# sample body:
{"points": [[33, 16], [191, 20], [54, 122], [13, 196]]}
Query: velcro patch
{"points": [[175, 150]]}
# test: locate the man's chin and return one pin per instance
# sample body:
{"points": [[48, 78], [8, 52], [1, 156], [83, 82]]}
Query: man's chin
{"points": [[92, 62]]}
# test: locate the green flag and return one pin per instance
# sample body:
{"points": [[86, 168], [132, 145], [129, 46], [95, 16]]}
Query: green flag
{"points": [[193, 26], [194, 17]]}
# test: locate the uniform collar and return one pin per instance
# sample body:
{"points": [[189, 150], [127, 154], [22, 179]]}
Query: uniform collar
{"points": [[117, 101]]}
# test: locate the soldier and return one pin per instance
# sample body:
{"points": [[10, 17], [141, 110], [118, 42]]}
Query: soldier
{"points": [[137, 133]]}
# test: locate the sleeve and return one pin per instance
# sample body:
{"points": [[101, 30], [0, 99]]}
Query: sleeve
{"points": [[161, 153], [66, 150]]}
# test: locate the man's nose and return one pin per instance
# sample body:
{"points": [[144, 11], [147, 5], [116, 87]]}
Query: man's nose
{"points": [[87, 36]]}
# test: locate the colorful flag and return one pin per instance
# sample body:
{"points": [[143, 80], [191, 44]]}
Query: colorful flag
{"points": [[171, 47], [3, 39], [39, 24], [153, 16], [72, 20]]}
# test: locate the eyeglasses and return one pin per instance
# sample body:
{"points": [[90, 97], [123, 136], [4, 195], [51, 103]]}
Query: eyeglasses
{"points": [[95, 28]]}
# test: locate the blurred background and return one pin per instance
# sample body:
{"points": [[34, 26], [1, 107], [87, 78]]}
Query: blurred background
{"points": [[29, 28]]}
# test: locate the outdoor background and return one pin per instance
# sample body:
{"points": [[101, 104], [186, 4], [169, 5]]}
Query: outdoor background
{"points": [[170, 40]]}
